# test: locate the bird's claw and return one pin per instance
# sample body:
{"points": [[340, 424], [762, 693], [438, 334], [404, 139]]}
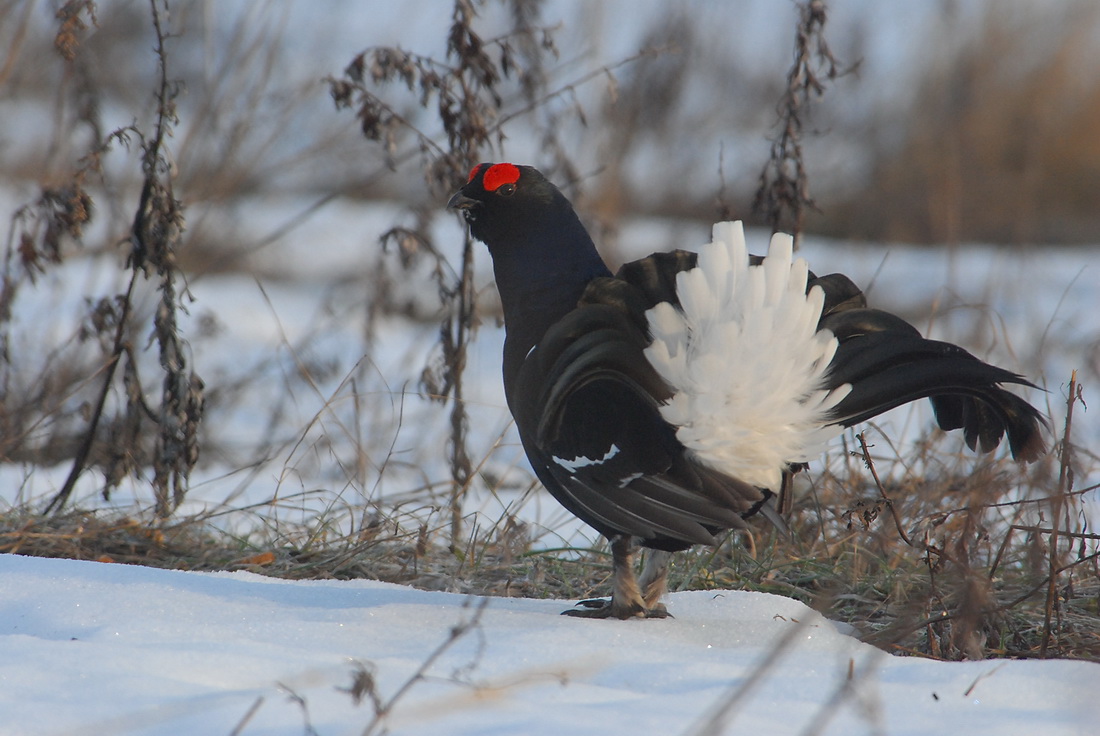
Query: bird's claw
{"points": [[606, 608]]}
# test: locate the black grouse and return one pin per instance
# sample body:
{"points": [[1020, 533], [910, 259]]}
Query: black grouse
{"points": [[666, 403]]}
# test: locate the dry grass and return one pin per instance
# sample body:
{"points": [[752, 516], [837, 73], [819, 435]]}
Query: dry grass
{"points": [[951, 559], [963, 572]]}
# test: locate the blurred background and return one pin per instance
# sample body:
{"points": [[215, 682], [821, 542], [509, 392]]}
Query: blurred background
{"points": [[935, 124], [954, 120]]}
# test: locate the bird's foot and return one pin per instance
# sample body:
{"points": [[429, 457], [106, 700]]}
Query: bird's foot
{"points": [[609, 608]]}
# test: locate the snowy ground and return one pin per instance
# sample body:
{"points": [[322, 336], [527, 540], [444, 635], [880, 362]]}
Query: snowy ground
{"points": [[92, 648]]}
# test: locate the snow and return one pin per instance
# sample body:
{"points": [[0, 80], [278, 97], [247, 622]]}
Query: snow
{"points": [[94, 648]]}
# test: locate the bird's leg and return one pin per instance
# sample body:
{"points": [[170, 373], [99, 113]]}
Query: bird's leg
{"points": [[626, 598], [654, 582]]}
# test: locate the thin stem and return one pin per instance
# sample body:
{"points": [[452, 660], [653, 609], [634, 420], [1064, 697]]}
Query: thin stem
{"points": [[81, 460]]}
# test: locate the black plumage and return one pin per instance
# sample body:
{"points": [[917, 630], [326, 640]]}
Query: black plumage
{"points": [[587, 402]]}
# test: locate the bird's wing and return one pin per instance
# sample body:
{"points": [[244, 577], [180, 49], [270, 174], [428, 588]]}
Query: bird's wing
{"points": [[587, 404]]}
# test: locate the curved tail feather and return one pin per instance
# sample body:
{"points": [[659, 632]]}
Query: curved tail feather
{"points": [[888, 363]]}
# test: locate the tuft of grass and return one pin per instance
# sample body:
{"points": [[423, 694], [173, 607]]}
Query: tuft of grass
{"points": [[955, 557], [955, 564]]}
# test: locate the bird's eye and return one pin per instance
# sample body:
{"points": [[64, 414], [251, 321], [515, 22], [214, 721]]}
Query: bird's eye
{"points": [[506, 190]]}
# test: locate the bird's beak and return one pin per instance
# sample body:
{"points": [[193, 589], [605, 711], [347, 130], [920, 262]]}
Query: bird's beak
{"points": [[461, 202]]}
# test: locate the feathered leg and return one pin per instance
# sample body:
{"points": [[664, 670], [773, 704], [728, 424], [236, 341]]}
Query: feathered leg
{"points": [[626, 598], [654, 582]]}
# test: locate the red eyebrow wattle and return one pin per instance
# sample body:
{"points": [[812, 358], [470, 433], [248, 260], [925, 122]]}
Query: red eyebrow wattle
{"points": [[500, 174], [473, 172]]}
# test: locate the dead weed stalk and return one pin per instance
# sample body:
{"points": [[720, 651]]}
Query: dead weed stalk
{"points": [[154, 240]]}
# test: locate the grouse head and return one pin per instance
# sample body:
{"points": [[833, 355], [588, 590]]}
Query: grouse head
{"points": [[504, 202], [542, 255]]}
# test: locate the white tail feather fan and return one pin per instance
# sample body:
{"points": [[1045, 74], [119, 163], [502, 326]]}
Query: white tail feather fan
{"points": [[745, 360]]}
